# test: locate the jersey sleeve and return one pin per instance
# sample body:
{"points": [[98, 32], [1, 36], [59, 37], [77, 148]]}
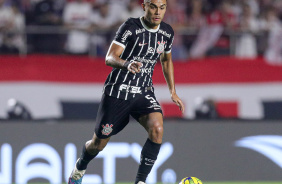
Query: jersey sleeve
{"points": [[124, 34], [169, 42]]}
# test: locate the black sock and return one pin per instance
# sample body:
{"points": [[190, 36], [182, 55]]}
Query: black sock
{"points": [[149, 155], [84, 159]]}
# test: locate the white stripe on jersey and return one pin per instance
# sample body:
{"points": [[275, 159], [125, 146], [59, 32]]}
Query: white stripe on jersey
{"points": [[109, 81], [153, 65], [136, 85], [127, 91], [137, 81], [142, 44], [151, 75], [133, 47], [127, 71], [148, 43], [149, 80], [156, 40], [126, 76], [144, 67], [114, 83], [129, 57], [137, 55], [144, 80], [147, 52]]}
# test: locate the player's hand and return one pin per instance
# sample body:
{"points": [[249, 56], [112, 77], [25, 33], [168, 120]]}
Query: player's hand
{"points": [[178, 102], [134, 67]]}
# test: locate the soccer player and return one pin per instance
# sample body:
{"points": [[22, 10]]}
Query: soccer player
{"points": [[128, 90]]}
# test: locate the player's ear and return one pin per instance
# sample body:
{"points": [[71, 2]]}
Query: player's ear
{"points": [[143, 6]]}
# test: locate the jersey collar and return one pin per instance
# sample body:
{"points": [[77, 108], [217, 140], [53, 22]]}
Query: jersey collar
{"points": [[147, 28]]}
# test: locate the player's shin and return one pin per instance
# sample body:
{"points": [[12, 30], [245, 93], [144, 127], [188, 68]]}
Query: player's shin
{"points": [[84, 159], [149, 155]]}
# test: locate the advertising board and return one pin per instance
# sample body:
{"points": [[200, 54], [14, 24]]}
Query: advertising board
{"points": [[212, 151]]}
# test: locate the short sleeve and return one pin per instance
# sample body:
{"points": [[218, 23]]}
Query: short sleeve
{"points": [[124, 34], [169, 42]]}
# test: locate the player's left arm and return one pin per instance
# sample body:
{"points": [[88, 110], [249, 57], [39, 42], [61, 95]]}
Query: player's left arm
{"points": [[168, 71]]}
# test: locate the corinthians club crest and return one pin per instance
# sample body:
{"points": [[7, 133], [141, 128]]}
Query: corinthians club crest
{"points": [[107, 129], [161, 47]]}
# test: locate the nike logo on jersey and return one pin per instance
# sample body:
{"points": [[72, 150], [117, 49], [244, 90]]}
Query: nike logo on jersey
{"points": [[142, 44]]}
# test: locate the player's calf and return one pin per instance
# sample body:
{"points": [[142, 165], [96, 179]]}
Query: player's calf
{"points": [[85, 158], [149, 155]]}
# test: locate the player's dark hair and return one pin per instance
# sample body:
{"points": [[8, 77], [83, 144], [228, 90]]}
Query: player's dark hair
{"points": [[145, 1]]}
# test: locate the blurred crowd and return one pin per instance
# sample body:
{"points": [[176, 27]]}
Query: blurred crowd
{"points": [[243, 28]]}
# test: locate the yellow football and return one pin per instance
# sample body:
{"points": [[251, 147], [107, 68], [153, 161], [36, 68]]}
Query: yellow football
{"points": [[190, 180]]}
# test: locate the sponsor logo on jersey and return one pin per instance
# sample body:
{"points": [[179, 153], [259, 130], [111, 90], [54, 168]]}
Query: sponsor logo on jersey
{"points": [[161, 47], [146, 70], [130, 89], [138, 31], [107, 129], [164, 33], [142, 60], [126, 34]]}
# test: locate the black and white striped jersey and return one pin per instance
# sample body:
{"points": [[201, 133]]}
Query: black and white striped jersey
{"points": [[141, 44]]}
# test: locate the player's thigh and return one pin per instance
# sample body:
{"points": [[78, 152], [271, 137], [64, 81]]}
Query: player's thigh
{"points": [[145, 104], [112, 116]]}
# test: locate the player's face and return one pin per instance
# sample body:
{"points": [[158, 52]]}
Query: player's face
{"points": [[154, 12]]}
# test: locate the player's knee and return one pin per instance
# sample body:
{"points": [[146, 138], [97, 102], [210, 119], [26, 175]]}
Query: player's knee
{"points": [[157, 129]]}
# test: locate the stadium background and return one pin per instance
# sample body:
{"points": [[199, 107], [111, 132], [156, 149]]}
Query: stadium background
{"points": [[228, 72]]}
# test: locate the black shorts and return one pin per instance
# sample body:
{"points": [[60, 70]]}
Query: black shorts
{"points": [[113, 113]]}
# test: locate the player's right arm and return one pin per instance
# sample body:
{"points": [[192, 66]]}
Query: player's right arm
{"points": [[113, 59], [123, 36], [113, 56]]}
